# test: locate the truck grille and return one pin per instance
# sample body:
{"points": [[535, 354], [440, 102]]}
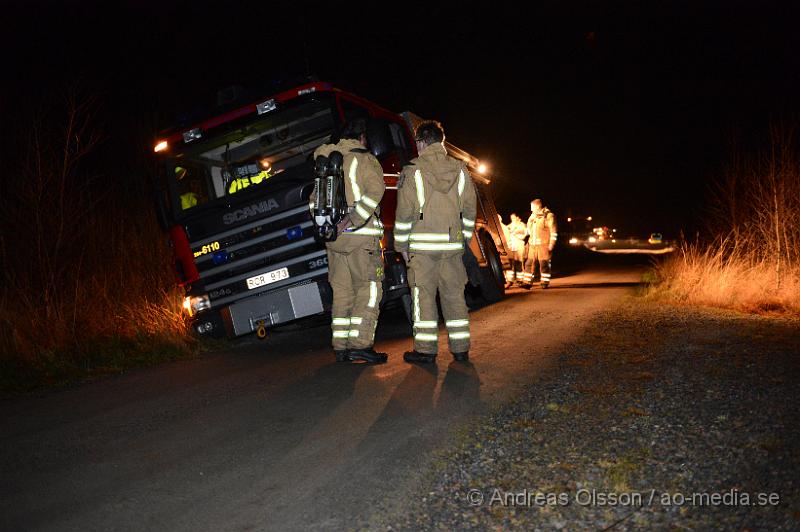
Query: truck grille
{"points": [[281, 240]]}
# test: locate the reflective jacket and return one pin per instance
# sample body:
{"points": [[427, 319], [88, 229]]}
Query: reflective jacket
{"points": [[364, 187], [516, 235], [542, 228], [435, 204], [241, 183]]}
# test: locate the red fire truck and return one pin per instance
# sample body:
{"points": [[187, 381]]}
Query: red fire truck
{"points": [[233, 191]]}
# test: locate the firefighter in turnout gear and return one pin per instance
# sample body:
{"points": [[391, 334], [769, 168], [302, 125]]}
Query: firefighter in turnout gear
{"points": [[541, 233], [354, 258], [434, 223], [516, 243]]}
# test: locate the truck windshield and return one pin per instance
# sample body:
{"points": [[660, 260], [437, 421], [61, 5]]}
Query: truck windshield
{"points": [[243, 160]]}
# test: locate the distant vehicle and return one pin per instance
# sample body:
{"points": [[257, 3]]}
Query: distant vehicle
{"points": [[656, 238]]}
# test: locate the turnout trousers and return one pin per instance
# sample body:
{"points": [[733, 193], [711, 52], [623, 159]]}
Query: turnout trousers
{"points": [[442, 272], [538, 255], [516, 271], [356, 278]]}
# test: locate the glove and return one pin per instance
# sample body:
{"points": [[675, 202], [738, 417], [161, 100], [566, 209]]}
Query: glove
{"points": [[344, 224]]}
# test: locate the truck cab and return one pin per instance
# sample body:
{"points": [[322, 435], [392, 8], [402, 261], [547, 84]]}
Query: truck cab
{"points": [[232, 193]]}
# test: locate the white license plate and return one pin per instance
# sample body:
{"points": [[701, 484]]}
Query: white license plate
{"points": [[267, 278]]}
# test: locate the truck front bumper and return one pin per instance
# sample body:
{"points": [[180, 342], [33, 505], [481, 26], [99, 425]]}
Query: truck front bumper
{"points": [[273, 308]]}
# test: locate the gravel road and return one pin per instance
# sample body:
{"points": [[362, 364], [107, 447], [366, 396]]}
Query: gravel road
{"points": [[656, 417]]}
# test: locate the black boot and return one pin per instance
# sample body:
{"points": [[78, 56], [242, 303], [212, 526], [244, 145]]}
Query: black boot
{"points": [[368, 355], [416, 356], [341, 355], [461, 357]]}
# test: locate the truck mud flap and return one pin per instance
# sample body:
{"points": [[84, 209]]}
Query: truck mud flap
{"points": [[273, 308]]}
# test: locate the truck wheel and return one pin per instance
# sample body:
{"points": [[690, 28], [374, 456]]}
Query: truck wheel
{"points": [[492, 276]]}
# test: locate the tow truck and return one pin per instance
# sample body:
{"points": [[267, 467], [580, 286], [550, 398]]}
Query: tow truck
{"points": [[232, 190]]}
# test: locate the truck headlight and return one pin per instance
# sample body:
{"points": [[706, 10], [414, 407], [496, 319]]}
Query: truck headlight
{"points": [[195, 304]]}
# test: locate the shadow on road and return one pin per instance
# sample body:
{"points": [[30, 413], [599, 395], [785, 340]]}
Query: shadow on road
{"points": [[461, 387]]}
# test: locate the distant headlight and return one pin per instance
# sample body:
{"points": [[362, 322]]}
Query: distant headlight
{"points": [[592, 239], [573, 241], [195, 304]]}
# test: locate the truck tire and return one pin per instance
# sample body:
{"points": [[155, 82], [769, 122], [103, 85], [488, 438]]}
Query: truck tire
{"points": [[492, 276]]}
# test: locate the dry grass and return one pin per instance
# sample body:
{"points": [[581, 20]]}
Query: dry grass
{"points": [[714, 276], [86, 285], [752, 260]]}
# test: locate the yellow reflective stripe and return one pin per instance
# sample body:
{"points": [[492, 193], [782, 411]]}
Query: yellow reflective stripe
{"points": [[467, 222], [401, 238], [445, 246], [467, 234], [457, 323], [416, 304], [425, 337], [458, 336], [353, 184], [353, 333], [420, 189], [426, 324], [364, 213], [403, 226], [368, 231], [341, 321], [373, 294], [431, 237], [369, 202], [461, 182], [341, 334], [356, 321]]}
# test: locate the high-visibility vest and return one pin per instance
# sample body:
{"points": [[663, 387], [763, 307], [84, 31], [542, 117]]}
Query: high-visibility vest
{"points": [[243, 182], [188, 200]]}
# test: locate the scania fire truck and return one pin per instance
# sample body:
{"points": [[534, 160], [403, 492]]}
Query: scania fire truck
{"points": [[232, 194]]}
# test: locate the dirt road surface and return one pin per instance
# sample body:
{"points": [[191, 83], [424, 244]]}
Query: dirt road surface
{"points": [[274, 434]]}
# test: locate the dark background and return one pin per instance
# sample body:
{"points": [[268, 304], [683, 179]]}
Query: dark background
{"points": [[624, 111]]}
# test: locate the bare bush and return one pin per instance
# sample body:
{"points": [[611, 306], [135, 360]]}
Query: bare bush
{"points": [[84, 263], [752, 261]]}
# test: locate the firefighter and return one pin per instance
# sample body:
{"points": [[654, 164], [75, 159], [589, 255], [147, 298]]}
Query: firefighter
{"points": [[541, 234], [241, 183], [516, 241], [355, 267], [435, 220], [189, 198]]}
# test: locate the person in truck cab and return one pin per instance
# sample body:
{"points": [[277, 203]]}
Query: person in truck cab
{"points": [[189, 197], [240, 183], [355, 267]]}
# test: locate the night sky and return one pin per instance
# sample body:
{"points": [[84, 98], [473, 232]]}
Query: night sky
{"points": [[619, 110]]}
